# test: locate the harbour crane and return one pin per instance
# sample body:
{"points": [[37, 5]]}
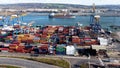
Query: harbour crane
{"points": [[94, 20]]}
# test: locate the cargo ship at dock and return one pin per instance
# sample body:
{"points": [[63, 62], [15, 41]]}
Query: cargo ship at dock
{"points": [[61, 15]]}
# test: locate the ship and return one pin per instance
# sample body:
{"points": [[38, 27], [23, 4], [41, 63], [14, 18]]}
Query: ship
{"points": [[61, 15]]}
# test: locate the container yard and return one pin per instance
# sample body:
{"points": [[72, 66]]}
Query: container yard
{"points": [[56, 40], [97, 46]]}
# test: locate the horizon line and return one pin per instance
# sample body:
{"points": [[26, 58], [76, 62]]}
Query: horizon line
{"points": [[57, 3]]}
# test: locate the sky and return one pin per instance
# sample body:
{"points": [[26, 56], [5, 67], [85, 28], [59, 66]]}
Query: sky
{"points": [[80, 2]]}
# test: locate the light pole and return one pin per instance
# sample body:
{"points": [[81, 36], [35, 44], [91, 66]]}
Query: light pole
{"points": [[89, 60]]}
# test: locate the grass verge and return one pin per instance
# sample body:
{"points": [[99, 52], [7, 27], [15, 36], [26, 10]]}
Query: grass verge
{"points": [[84, 65], [52, 61], [8, 66], [57, 62]]}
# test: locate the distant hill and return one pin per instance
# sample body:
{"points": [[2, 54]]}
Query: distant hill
{"points": [[109, 6], [50, 5], [41, 5]]}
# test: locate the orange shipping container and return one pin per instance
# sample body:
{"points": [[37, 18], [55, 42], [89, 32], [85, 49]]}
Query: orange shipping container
{"points": [[76, 39], [26, 35]]}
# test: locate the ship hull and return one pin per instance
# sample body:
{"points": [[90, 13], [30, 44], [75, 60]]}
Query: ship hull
{"points": [[62, 16]]}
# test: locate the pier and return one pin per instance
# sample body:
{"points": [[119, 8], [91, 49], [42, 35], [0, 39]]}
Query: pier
{"points": [[80, 11]]}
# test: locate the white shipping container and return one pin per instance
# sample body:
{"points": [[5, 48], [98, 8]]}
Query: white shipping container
{"points": [[70, 50], [103, 41]]}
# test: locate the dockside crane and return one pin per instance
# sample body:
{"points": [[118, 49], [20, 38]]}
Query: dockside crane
{"points": [[94, 20]]}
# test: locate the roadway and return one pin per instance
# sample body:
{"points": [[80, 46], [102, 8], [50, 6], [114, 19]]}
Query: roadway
{"points": [[24, 63], [74, 61]]}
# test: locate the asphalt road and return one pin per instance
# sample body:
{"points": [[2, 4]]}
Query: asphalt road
{"points": [[75, 62], [24, 63]]}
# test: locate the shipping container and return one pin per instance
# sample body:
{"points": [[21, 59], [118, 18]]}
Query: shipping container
{"points": [[70, 50], [43, 49], [76, 39], [61, 49], [4, 49]]}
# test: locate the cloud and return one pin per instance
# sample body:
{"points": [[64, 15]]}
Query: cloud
{"points": [[83, 2]]}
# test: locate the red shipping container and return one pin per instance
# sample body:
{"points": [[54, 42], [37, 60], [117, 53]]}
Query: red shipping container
{"points": [[88, 43], [4, 49], [20, 49], [44, 46], [44, 49], [13, 46], [16, 42], [38, 35], [87, 38], [94, 41], [44, 36], [29, 41]]}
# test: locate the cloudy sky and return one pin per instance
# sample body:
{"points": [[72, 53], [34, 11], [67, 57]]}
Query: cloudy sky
{"points": [[82, 2]]}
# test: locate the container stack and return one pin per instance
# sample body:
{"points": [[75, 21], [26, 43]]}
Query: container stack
{"points": [[53, 39]]}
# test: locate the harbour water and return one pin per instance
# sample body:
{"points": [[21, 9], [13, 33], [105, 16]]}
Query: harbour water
{"points": [[45, 20]]}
